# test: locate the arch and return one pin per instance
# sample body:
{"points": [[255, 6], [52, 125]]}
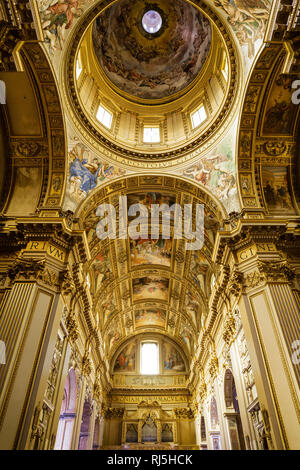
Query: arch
{"points": [[128, 354], [149, 430], [230, 391], [132, 433], [214, 416], [67, 413], [151, 180], [37, 150], [234, 423], [167, 434], [267, 142], [85, 425]]}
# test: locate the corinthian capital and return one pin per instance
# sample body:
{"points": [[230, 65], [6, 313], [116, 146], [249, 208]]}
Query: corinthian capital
{"points": [[276, 271]]}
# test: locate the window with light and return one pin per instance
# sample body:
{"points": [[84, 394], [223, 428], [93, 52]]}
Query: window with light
{"points": [[152, 21], [78, 69], [151, 135], [149, 358], [104, 116], [225, 70], [198, 117]]}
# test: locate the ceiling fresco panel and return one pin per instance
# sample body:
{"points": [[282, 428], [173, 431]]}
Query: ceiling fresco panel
{"points": [[151, 67]]}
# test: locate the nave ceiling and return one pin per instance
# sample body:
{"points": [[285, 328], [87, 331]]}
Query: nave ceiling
{"points": [[150, 285]]}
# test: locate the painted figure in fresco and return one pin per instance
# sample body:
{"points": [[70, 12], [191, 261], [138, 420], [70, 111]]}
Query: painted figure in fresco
{"points": [[126, 360], [187, 336], [247, 18], [276, 189], [269, 194], [198, 267], [150, 317], [157, 70], [278, 117], [57, 16], [151, 251], [213, 172], [108, 306], [87, 171], [172, 359], [102, 269], [151, 286]]}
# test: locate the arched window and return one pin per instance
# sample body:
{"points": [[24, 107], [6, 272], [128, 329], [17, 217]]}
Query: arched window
{"points": [[149, 431], [230, 392], [167, 433], [203, 429], [96, 434], [214, 413], [67, 414], [132, 433], [234, 423], [149, 358], [85, 426]]}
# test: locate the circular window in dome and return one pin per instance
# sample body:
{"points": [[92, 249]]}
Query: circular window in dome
{"points": [[152, 22]]}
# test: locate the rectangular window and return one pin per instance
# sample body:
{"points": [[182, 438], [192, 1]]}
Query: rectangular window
{"points": [[149, 359], [198, 117], [78, 66], [104, 116], [225, 70], [78, 69], [151, 135]]}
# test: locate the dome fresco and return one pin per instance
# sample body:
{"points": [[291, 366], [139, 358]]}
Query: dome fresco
{"points": [[155, 64]]}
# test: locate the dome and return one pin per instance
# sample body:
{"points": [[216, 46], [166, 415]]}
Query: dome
{"points": [[151, 51], [160, 80]]}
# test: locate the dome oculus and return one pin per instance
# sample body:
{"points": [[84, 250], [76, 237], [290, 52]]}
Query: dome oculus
{"points": [[151, 52], [152, 22]]}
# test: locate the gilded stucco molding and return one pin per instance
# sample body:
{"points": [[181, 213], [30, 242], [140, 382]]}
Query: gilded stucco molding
{"points": [[185, 414], [229, 329]]}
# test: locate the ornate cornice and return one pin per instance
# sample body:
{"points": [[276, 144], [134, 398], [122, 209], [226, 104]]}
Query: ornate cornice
{"points": [[277, 271]]}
